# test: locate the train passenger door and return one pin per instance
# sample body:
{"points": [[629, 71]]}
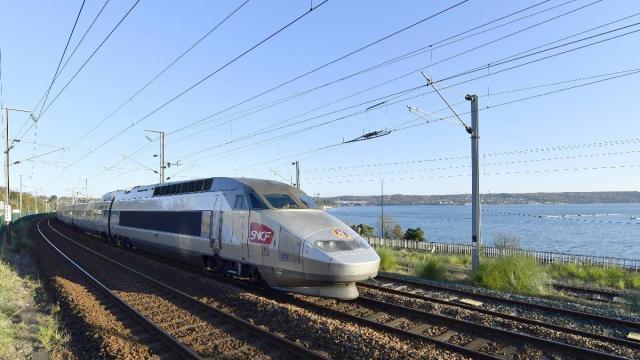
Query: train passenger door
{"points": [[216, 224], [234, 244]]}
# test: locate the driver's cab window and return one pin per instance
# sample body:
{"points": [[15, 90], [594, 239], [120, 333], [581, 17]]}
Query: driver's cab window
{"points": [[240, 204]]}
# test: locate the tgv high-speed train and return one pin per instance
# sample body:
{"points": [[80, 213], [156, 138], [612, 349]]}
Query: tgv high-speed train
{"points": [[247, 227]]}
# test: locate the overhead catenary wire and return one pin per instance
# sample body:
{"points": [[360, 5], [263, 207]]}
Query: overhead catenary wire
{"points": [[95, 51], [271, 129], [605, 143], [515, 172], [160, 73], [55, 74], [556, 54], [481, 109], [196, 84], [451, 37], [437, 44], [415, 88], [351, 53], [76, 47]]}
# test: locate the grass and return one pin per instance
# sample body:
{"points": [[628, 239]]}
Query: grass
{"points": [[21, 328], [388, 260], [513, 274], [431, 268], [607, 277], [50, 333]]}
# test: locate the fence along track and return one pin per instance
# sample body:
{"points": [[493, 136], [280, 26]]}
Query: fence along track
{"points": [[289, 348], [546, 257], [411, 293]]}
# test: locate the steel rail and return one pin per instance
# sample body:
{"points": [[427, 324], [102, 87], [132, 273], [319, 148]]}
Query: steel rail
{"points": [[615, 321], [516, 318], [430, 316], [290, 346], [167, 339]]}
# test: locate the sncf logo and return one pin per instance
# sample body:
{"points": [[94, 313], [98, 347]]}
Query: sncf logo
{"points": [[260, 234]]}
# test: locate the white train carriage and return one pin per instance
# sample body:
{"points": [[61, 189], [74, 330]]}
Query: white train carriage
{"points": [[248, 227]]}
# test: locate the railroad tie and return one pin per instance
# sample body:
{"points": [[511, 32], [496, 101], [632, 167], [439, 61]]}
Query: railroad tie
{"points": [[445, 336], [507, 353], [419, 329], [396, 322], [375, 316], [476, 344]]}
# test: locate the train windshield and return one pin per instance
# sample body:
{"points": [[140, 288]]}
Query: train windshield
{"points": [[281, 201], [286, 201]]}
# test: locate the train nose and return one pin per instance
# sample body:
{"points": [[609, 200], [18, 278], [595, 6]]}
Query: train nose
{"points": [[354, 266]]}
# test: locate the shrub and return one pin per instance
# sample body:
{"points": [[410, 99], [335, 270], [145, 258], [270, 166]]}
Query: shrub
{"points": [[514, 274], [414, 234], [609, 277], [388, 260], [431, 268], [507, 241]]}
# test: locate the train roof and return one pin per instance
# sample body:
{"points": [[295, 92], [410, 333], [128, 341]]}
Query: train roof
{"points": [[201, 185]]}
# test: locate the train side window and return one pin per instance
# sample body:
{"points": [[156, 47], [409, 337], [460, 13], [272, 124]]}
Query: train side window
{"points": [[239, 202]]}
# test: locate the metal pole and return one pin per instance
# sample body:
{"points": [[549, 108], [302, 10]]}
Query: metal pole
{"points": [[36, 201], [86, 189], [20, 195], [297, 164], [162, 157], [382, 209], [476, 234], [7, 212]]}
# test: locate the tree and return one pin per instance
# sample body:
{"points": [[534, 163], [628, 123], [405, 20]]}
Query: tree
{"points": [[507, 241], [414, 234], [397, 232], [363, 230], [387, 224]]}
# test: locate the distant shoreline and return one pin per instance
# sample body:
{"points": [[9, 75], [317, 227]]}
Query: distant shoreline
{"points": [[603, 197]]}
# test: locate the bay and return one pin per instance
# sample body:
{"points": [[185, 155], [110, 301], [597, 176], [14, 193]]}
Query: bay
{"points": [[611, 230]]}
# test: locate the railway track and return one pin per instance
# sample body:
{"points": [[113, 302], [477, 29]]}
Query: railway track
{"points": [[464, 337], [189, 327], [473, 339], [498, 299]]}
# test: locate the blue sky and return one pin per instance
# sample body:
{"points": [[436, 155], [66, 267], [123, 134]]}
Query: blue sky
{"points": [[539, 134]]}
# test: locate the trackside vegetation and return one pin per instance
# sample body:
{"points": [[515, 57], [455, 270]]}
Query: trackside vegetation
{"points": [[26, 324], [515, 274]]}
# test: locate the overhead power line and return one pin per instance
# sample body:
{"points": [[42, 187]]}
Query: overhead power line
{"points": [[431, 47], [75, 49], [263, 130], [264, 142], [89, 58], [199, 82], [605, 143], [271, 128], [55, 74], [340, 58], [160, 73], [519, 172]]}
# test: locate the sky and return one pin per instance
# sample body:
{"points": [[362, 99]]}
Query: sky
{"points": [[561, 117]]}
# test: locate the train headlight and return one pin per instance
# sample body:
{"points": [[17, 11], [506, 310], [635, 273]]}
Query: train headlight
{"points": [[338, 245]]}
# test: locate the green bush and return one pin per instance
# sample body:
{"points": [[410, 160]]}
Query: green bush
{"points": [[609, 277], [388, 260], [431, 268], [514, 274]]}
